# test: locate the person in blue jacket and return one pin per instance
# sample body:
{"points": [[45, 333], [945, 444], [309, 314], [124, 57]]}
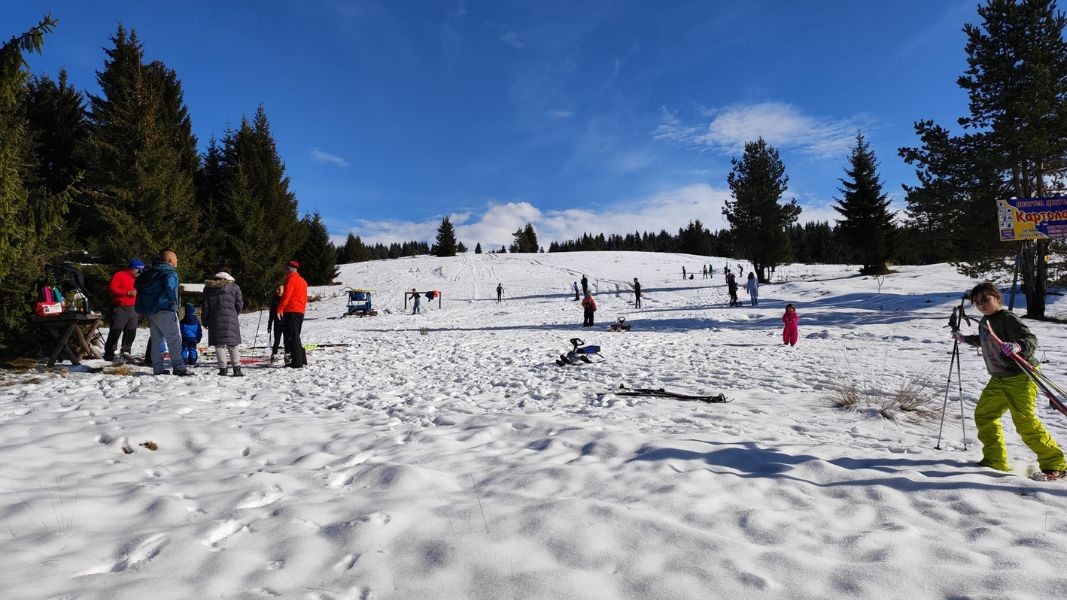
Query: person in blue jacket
{"points": [[157, 299], [192, 332]]}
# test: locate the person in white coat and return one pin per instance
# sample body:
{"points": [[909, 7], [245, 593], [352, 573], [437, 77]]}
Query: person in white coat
{"points": [[752, 287]]}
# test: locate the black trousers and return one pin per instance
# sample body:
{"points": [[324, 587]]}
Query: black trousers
{"points": [[278, 331], [293, 322], [588, 320]]}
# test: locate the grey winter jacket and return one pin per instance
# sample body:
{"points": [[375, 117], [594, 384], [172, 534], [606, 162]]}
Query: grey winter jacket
{"points": [[222, 304]]}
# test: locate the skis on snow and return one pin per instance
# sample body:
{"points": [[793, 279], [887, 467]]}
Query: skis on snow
{"points": [[622, 390]]}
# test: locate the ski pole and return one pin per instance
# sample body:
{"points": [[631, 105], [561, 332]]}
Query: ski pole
{"points": [[948, 386], [1031, 371], [258, 323]]}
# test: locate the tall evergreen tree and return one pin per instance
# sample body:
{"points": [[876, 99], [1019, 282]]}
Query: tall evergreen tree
{"points": [[353, 251], [259, 229], [757, 221], [143, 156], [478, 248], [1016, 132], [317, 254], [866, 225], [446, 239], [29, 211]]}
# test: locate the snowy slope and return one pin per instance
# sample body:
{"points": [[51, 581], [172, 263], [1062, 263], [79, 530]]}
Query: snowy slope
{"points": [[445, 455]]}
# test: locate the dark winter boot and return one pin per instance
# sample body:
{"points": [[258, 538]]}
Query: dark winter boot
{"points": [[237, 372], [222, 371]]}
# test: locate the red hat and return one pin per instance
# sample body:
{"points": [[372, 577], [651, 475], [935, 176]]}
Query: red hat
{"points": [[294, 264]]}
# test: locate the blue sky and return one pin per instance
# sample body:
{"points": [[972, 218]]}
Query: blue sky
{"points": [[573, 115]]}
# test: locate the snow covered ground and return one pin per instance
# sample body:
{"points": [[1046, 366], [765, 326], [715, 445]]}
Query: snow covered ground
{"points": [[446, 455]]}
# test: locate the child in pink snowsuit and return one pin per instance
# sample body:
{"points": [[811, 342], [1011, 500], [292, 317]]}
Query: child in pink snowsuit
{"points": [[791, 332]]}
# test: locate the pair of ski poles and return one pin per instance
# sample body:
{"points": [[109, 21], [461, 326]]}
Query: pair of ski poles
{"points": [[1055, 394]]}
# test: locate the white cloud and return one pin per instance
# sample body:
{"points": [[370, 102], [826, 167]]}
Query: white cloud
{"points": [[512, 39], [669, 210], [560, 114], [782, 125], [326, 157]]}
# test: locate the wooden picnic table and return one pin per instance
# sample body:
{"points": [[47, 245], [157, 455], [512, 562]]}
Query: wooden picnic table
{"points": [[71, 332]]}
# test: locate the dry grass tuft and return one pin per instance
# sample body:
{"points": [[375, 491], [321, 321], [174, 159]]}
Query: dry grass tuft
{"points": [[915, 396], [20, 364], [121, 370]]}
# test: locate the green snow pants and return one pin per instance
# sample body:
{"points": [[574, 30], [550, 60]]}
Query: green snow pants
{"points": [[1018, 394]]}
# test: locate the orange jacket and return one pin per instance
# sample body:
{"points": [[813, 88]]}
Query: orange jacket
{"points": [[295, 297], [589, 303]]}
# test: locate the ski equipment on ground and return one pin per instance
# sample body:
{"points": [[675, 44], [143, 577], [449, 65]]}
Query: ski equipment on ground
{"points": [[622, 390], [580, 353], [620, 324]]}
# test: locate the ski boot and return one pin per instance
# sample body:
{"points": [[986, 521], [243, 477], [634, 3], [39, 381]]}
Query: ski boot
{"points": [[223, 371], [237, 372]]}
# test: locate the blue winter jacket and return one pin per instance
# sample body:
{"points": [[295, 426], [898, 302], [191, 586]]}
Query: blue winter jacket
{"points": [[157, 289], [190, 327]]}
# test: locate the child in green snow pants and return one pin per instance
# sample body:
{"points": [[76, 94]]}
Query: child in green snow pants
{"points": [[1010, 389], [1018, 395]]}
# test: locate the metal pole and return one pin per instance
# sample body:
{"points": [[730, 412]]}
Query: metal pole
{"points": [[948, 386], [959, 378]]}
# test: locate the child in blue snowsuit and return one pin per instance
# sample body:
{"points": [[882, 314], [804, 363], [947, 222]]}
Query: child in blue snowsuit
{"points": [[191, 334]]}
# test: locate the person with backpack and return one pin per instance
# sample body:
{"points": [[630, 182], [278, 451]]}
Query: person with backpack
{"points": [[1009, 389], [157, 299], [637, 293], [275, 323], [589, 306], [123, 316], [752, 287], [192, 333], [222, 307], [291, 310]]}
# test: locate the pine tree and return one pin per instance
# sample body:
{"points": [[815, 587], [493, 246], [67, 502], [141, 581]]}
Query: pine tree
{"points": [[461, 248], [143, 157], [29, 212], [478, 248], [1016, 132], [757, 221], [317, 254], [258, 228], [353, 251], [446, 239], [525, 240], [867, 226]]}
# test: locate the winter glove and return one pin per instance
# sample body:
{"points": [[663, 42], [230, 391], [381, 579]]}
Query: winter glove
{"points": [[1009, 348], [959, 337]]}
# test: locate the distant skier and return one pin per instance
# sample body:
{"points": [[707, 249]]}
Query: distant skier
{"points": [[589, 305], [703, 271], [752, 287], [576, 297], [637, 293], [585, 285], [499, 292], [1009, 389], [791, 331], [683, 273], [415, 309]]}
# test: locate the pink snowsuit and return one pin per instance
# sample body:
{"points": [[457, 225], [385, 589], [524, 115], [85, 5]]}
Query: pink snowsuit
{"points": [[791, 331]]}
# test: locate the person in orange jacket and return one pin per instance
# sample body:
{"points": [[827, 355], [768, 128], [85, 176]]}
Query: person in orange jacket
{"points": [[291, 312], [590, 307]]}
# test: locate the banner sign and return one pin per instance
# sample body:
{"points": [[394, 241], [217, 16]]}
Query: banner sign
{"points": [[1032, 219]]}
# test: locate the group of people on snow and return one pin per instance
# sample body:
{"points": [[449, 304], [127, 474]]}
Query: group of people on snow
{"points": [[153, 293]]}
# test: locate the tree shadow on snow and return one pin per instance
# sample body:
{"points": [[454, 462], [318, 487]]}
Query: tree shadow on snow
{"points": [[752, 461]]}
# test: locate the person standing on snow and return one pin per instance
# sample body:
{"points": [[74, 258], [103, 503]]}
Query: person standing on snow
{"points": [[223, 303], [575, 290], [752, 287], [589, 305], [1009, 388], [637, 293], [683, 272], [291, 311], [192, 333], [731, 288], [792, 329], [585, 285], [275, 323], [499, 292], [123, 316], [157, 299], [417, 296]]}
